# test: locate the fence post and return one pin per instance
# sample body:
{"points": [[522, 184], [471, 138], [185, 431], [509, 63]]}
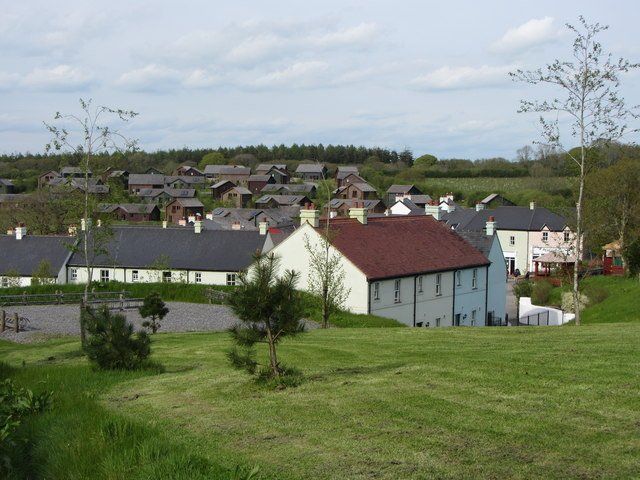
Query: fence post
{"points": [[3, 320], [122, 301], [16, 323], [24, 297]]}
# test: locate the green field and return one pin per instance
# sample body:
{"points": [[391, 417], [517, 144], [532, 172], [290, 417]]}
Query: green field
{"points": [[496, 184], [392, 403]]}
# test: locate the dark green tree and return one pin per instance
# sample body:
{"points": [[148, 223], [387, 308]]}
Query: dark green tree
{"points": [[425, 160], [153, 307], [112, 344], [270, 308]]}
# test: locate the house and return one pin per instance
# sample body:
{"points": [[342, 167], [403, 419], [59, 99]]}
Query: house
{"points": [[93, 185], [74, 172], [121, 176], [184, 181], [311, 171], [131, 212], [257, 182], [164, 195], [153, 171], [612, 263], [344, 178], [145, 181], [308, 189], [23, 255], [279, 171], [236, 174], [173, 254], [187, 170], [6, 186], [525, 233], [239, 197], [282, 218], [46, 177], [219, 188], [275, 201], [357, 191], [340, 207], [433, 278], [495, 200], [397, 192], [183, 209], [212, 172], [405, 207]]}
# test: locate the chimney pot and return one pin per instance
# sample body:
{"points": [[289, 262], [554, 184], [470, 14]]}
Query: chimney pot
{"points": [[532, 205], [21, 231], [491, 226], [264, 227], [197, 226]]}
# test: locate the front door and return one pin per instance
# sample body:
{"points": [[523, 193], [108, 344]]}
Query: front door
{"points": [[510, 262], [456, 322]]}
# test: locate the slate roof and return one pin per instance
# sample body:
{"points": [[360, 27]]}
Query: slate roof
{"points": [[210, 250], [183, 178], [25, 255], [421, 199], [13, 197], [72, 171], [426, 246], [188, 202], [259, 178], [347, 169], [401, 188], [235, 170], [240, 191], [172, 192], [282, 199], [213, 169], [350, 202], [459, 218], [265, 167], [517, 218], [146, 179], [413, 208], [480, 240], [364, 187], [127, 207], [310, 168], [6, 182]]}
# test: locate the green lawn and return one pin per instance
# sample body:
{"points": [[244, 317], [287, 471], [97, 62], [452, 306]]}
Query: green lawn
{"points": [[391, 403]]}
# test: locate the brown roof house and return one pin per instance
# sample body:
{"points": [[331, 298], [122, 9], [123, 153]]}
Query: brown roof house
{"points": [[46, 177], [257, 182], [398, 192], [219, 188], [311, 171], [183, 209], [237, 174], [145, 181], [279, 171], [415, 270], [275, 201], [239, 197], [188, 170], [131, 212], [340, 207], [357, 191]]}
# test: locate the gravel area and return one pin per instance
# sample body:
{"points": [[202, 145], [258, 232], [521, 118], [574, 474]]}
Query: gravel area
{"points": [[58, 320]]}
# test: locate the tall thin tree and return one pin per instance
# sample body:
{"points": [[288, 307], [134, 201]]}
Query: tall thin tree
{"points": [[588, 110], [87, 134]]}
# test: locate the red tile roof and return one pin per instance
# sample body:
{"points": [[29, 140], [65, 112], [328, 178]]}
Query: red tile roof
{"points": [[401, 246]]}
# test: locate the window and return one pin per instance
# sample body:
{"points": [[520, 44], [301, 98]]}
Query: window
{"points": [[134, 275], [104, 276], [512, 240], [376, 291], [231, 279], [166, 277], [545, 236], [74, 274], [198, 277], [396, 291], [567, 236], [458, 278], [474, 279], [438, 284], [438, 322], [420, 284], [473, 317]]}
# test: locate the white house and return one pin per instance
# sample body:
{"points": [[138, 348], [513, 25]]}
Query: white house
{"points": [[410, 268]]}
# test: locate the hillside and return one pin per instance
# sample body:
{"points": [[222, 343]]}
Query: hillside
{"points": [[384, 403]]}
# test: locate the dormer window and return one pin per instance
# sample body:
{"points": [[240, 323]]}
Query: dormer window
{"points": [[512, 240], [567, 236], [545, 237]]}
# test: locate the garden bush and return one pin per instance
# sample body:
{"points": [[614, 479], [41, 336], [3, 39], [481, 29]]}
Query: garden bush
{"points": [[541, 292], [112, 344]]}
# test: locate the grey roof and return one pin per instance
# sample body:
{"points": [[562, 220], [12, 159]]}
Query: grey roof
{"points": [[459, 218], [72, 171], [25, 255], [265, 167], [343, 175], [13, 197], [347, 169], [421, 199], [213, 169], [235, 170], [516, 218], [6, 181], [188, 202], [401, 188], [338, 202], [488, 198], [310, 168], [93, 185], [364, 187], [146, 179], [171, 192], [282, 199], [183, 178], [127, 207], [260, 178], [221, 183], [413, 208], [480, 240], [240, 190], [210, 250], [289, 187]]}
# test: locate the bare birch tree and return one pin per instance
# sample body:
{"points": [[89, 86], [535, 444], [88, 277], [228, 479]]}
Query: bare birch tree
{"points": [[588, 110], [86, 134]]}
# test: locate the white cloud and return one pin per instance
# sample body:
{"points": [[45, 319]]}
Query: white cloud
{"points": [[151, 77], [535, 32], [452, 78], [300, 74], [8, 80], [256, 47], [60, 78], [200, 79], [359, 35]]}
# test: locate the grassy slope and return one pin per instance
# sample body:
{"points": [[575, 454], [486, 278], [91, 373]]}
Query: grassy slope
{"points": [[622, 304], [390, 403]]}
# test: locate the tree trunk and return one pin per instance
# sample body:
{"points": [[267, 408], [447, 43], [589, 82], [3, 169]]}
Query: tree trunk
{"points": [[325, 306], [576, 265], [273, 358]]}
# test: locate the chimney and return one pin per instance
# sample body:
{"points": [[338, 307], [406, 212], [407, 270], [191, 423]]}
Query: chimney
{"points": [[264, 227], [359, 212], [235, 226], [309, 214], [164, 224], [73, 230], [479, 206], [209, 216], [197, 226], [182, 222], [433, 209], [532, 205], [99, 223], [21, 231], [491, 226], [85, 223]]}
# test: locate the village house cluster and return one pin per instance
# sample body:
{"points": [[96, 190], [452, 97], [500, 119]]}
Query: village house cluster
{"points": [[424, 261]]}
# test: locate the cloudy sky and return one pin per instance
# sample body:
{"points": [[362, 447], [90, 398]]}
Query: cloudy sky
{"points": [[430, 76]]}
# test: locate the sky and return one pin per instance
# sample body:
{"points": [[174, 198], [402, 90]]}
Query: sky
{"points": [[428, 76]]}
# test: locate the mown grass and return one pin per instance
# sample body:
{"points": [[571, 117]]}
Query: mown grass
{"points": [[495, 184], [542, 402]]}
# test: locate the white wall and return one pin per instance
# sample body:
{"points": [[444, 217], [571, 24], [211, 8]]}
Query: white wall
{"points": [[556, 317], [125, 275], [520, 249]]}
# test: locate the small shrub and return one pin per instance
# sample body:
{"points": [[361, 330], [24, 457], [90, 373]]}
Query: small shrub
{"points": [[112, 344], [523, 288], [596, 294], [153, 307], [540, 293]]}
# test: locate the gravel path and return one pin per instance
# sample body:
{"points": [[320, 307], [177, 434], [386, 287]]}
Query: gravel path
{"points": [[56, 320]]}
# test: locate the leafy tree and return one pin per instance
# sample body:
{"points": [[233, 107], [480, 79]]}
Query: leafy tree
{"points": [[269, 308], [213, 158], [426, 160], [85, 136], [42, 274], [112, 344], [153, 307], [406, 157], [632, 253], [588, 84], [12, 278]]}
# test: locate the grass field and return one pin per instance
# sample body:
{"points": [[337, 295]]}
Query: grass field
{"points": [[496, 184], [376, 403]]}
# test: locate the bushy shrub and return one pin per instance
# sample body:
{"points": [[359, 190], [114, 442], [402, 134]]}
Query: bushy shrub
{"points": [[112, 344], [522, 288], [153, 307], [541, 291]]}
